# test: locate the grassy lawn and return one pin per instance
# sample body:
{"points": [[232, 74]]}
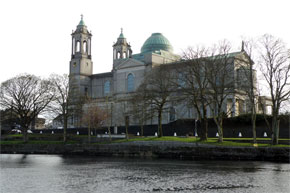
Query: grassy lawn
{"points": [[167, 138], [210, 141], [231, 142]]}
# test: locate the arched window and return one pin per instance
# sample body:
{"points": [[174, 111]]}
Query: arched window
{"points": [[86, 91], [181, 80], [124, 55], [114, 54], [78, 46], [118, 55], [130, 83], [73, 46], [172, 114], [85, 46], [107, 87], [89, 46]]}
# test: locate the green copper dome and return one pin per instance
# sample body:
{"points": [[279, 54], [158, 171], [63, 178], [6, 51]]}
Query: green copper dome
{"points": [[156, 42]]}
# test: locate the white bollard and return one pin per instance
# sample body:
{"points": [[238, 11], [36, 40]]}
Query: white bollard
{"points": [[78, 132], [92, 133], [52, 132], [155, 133], [217, 134], [240, 134], [265, 134], [40, 132], [174, 134], [138, 133]]}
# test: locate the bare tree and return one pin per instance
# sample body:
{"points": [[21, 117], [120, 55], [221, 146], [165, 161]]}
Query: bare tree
{"points": [[93, 117], [219, 73], [193, 83], [157, 89], [275, 67], [27, 96], [140, 108], [60, 105], [68, 101], [246, 80]]}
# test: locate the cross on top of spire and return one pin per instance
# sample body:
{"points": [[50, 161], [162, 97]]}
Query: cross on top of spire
{"points": [[82, 21], [121, 34]]}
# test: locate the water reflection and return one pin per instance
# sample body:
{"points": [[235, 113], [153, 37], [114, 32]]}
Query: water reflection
{"points": [[53, 173]]}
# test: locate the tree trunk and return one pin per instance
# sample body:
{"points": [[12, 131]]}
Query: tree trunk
{"points": [[109, 131], [254, 116], [127, 124], [25, 135], [160, 133], [275, 129], [204, 129], [142, 130], [89, 133], [220, 129], [65, 129]]}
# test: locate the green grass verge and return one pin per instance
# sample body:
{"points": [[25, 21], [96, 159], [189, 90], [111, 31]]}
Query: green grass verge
{"points": [[210, 141], [230, 142], [181, 139]]}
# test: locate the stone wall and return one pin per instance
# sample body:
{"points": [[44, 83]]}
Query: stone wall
{"points": [[156, 149]]}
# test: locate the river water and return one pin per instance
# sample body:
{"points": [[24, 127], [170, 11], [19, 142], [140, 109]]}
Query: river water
{"points": [[59, 174]]}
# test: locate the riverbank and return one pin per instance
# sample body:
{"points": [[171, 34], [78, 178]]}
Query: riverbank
{"points": [[156, 149]]}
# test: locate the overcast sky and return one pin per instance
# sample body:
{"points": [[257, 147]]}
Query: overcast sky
{"points": [[36, 34]]}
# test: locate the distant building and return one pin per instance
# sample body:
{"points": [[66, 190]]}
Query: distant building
{"points": [[57, 122], [9, 120], [112, 89]]}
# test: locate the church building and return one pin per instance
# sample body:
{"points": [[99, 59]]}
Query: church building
{"points": [[112, 89]]}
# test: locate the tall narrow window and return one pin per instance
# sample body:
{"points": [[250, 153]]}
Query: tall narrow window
{"points": [[73, 46], [89, 46], [130, 83], [181, 81], [86, 91], [115, 54], [78, 46], [172, 114], [107, 87], [85, 47]]}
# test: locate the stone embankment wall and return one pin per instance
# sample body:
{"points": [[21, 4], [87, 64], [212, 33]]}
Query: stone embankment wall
{"points": [[143, 149]]}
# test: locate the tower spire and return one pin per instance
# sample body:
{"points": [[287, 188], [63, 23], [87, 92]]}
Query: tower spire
{"points": [[121, 34], [82, 23], [121, 48]]}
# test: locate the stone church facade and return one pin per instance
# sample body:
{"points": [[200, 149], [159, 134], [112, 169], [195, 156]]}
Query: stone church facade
{"points": [[113, 89]]}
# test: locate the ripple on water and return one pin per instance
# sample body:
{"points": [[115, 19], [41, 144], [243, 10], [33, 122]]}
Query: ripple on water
{"points": [[47, 174]]}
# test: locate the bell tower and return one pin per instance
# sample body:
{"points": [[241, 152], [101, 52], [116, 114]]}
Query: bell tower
{"points": [[81, 65], [121, 49], [81, 59]]}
